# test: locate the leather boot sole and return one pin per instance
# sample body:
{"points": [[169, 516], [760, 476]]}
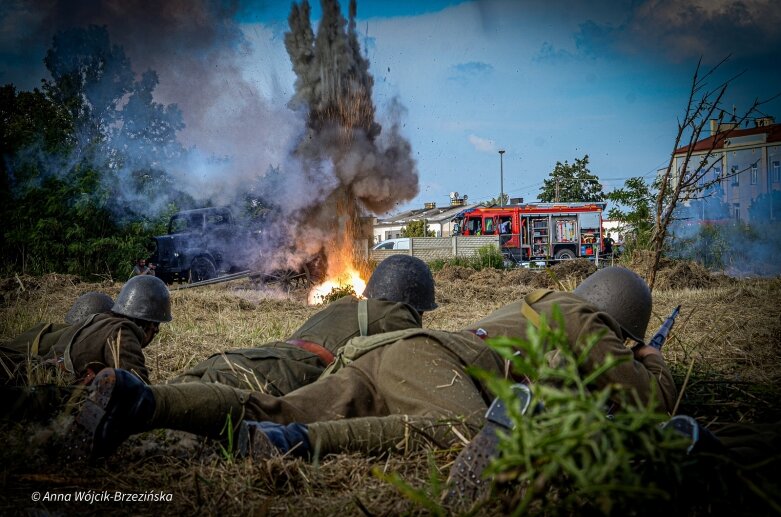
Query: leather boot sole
{"points": [[88, 424]]}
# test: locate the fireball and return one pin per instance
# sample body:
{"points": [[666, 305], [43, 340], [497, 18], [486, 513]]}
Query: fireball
{"points": [[349, 278]]}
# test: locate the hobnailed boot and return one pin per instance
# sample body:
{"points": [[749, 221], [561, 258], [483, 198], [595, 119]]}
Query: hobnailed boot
{"points": [[119, 404]]}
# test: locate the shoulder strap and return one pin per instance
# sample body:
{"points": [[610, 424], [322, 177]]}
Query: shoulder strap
{"points": [[358, 346], [36, 344], [526, 310], [363, 317], [66, 356]]}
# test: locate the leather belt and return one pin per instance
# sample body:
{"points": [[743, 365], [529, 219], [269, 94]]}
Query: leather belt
{"points": [[320, 351]]}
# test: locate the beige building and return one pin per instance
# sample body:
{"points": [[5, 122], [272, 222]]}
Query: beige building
{"points": [[748, 161], [438, 219]]}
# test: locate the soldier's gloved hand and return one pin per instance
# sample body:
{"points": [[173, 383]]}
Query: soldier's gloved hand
{"points": [[262, 440]]}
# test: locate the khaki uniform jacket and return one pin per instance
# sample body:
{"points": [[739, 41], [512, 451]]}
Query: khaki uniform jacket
{"points": [[277, 368], [338, 322], [423, 378], [100, 341], [647, 378]]}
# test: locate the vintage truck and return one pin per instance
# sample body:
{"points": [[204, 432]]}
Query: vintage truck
{"points": [[202, 244]]}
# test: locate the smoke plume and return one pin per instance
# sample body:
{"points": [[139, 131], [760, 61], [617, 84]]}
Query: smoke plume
{"points": [[706, 231], [320, 156], [357, 164]]}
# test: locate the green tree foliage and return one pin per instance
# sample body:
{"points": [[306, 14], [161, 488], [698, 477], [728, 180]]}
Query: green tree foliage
{"points": [[417, 229], [497, 202], [571, 183], [83, 161], [634, 209]]}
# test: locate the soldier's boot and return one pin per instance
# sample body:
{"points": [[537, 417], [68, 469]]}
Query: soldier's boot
{"points": [[702, 440], [120, 405], [262, 440]]}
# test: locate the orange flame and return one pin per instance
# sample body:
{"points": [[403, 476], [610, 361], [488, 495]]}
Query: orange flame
{"points": [[348, 278], [343, 272]]}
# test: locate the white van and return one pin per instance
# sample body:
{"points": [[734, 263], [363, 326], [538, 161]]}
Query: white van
{"points": [[393, 244]]}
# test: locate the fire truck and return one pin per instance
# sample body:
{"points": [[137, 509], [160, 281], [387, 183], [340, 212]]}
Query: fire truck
{"points": [[539, 231]]}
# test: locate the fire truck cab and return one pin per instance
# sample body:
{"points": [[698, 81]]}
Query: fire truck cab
{"points": [[538, 231]]}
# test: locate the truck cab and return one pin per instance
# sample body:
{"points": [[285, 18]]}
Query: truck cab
{"points": [[202, 244]]}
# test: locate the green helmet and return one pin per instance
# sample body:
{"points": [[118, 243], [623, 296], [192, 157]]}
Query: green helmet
{"points": [[623, 295], [92, 302], [145, 298], [403, 278]]}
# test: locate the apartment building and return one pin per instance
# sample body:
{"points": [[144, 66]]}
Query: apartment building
{"points": [[747, 162]]}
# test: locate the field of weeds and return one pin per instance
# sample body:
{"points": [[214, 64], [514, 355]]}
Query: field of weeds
{"points": [[723, 352]]}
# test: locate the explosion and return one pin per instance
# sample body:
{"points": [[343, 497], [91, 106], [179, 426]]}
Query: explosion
{"points": [[371, 170]]}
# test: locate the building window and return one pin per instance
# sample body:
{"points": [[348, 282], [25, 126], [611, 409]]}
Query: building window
{"points": [[716, 173], [736, 211], [754, 174], [735, 175], [776, 172]]}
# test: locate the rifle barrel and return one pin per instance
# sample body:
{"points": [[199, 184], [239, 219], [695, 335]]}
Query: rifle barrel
{"points": [[661, 335]]}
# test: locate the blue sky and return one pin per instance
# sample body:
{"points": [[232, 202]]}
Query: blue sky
{"points": [[547, 80]]}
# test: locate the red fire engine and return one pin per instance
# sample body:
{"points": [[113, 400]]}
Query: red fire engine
{"points": [[538, 231]]}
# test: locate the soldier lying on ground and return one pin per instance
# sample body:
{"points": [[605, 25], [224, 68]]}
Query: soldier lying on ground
{"points": [[89, 303], [399, 291], [93, 340], [381, 390]]}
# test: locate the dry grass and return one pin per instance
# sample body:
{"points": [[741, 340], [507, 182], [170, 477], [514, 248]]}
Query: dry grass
{"points": [[729, 329]]}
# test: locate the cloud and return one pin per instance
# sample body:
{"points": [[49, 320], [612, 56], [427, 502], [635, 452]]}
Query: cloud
{"points": [[685, 30], [469, 70], [548, 54], [482, 144]]}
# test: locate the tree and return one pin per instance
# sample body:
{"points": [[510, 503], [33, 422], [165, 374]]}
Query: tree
{"points": [[496, 202], [84, 160], [90, 79], [634, 210], [689, 179], [572, 183], [417, 229]]}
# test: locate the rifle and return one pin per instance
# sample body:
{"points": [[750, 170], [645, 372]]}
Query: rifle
{"points": [[658, 339], [661, 335], [466, 483]]}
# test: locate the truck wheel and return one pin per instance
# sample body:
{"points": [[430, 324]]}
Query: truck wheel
{"points": [[564, 254], [202, 269]]}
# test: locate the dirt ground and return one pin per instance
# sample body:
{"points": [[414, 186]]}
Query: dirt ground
{"points": [[724, 348]]}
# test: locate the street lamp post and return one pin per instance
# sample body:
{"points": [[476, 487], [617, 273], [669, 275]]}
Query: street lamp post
{"points": [[501, 178]]}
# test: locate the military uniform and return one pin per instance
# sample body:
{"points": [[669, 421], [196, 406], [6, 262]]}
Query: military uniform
{"points": [[280, 367], [419, 373], [80, 350]]}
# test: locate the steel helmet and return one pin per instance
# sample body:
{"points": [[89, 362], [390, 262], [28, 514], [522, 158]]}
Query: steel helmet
{"points": [[623, 295], [145, 298], [403, 278], [92, 302]]}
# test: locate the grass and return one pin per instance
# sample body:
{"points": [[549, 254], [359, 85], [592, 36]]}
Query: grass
{"points": [[730, 330]]}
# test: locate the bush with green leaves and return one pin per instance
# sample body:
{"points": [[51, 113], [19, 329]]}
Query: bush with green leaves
{"points": [[487, 256], [586, 450], [578, 451]]}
